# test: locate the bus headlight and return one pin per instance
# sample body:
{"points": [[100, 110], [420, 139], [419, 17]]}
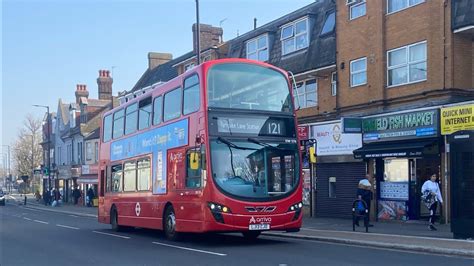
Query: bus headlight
{"points": [[297, 209]]}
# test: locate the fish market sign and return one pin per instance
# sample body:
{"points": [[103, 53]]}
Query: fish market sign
{"points": [[401, 126]]}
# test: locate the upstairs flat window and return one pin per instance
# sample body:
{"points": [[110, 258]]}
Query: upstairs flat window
{"points": [[257, 49], [397, 5], [306, 93], [357, 10], [359, 72], [295, 36], [407, 64], [329, 23]]}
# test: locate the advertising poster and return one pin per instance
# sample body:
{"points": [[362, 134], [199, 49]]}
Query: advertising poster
{"points": [[392, 210], [157, 141]]}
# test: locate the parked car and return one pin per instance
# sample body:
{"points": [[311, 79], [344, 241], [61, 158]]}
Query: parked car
{"points": [[2, 198]]}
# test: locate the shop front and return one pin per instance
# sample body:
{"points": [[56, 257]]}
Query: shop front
{"points": [[337, 172], [88, 179], [457, 125], [402, 150]]}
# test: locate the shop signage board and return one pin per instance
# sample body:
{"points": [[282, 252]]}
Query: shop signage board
{"points": [[303, 132], [332, 141], [412, 125], [457, 118], [351, 125]]}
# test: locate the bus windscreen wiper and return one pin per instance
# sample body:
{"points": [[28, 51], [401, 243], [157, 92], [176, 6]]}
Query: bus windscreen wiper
{"points": [[232, 145], [263, 144]]}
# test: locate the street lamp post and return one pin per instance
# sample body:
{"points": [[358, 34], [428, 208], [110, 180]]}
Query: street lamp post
{"points": [[48, 117], [9, 166]]}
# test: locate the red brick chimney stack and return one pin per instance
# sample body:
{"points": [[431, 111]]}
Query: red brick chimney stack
{"points": [[81, 91], [104, 84]]}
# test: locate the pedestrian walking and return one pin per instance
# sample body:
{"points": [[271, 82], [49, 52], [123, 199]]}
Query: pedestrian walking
{"points": [[431, 195], [365, 193]]}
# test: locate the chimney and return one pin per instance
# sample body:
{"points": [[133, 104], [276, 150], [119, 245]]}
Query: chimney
{"points": [[210, 36], [104, 84], [81, 91], [156, 59]]}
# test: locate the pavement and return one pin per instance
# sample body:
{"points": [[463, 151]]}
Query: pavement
{"points": [[407, 236], [33, 236]]}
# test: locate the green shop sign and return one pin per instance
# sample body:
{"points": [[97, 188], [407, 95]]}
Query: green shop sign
{"points": [[401, 126]]}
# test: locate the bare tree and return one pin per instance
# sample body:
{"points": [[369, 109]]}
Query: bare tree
{"points": [[27, 152]]}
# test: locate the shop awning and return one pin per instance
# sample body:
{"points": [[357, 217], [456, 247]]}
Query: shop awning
{"points": [[392, 149]]}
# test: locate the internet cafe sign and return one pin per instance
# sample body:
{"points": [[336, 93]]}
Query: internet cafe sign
{"points": [[411, 125], [331, 141], [457, 118]]}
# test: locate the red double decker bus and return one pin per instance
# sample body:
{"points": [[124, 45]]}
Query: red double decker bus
{"points": [[214, 149]]}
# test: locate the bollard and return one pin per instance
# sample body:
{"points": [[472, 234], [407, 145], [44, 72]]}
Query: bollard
{"points": [[25, 199]]}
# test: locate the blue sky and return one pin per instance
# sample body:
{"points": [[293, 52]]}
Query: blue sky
{"points": [[49, 46]]}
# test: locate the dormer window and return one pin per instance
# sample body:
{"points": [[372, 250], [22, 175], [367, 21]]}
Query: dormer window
{"points": [[257, 49], [295, 36]]}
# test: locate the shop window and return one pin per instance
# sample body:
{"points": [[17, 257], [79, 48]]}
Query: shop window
{"points": [[332, 187]]}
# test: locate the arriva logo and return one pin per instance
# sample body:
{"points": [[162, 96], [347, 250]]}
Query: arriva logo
{"points": [[254, 220]]}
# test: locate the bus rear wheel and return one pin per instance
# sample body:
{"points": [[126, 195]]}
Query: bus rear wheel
{"points": [[251, 235], [169, 225]]}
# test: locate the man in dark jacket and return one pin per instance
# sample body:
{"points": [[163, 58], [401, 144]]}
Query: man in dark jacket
{"points": [[90, 195]]}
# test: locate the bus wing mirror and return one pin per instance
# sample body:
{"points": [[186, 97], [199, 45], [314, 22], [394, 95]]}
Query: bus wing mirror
{"points": [[194, 160]]}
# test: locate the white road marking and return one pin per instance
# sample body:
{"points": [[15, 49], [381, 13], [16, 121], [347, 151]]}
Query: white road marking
{"points": [[66, 226], [73, 216], [102, 233], [41, 222], [27, 218], [190, 249]]}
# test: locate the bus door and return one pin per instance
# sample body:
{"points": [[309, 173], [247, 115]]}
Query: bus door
{"points": [[184, 176], [102, 186]]}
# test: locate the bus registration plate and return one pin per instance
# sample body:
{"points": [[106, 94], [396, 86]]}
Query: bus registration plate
{"points": [[259, 227]]}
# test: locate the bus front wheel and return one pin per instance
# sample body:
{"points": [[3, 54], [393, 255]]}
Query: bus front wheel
{"points": [[170, 225], [251, 235]]}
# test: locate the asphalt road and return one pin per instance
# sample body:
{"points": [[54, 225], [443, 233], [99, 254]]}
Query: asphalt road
{"points": [[33, 237]]}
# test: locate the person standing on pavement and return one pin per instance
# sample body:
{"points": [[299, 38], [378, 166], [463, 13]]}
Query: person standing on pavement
{"points": [[90, 196], [76, 194], [365, 193], [431, 189]]}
